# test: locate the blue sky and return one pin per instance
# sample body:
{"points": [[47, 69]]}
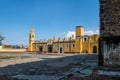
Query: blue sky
{"points": [[49, 17]]}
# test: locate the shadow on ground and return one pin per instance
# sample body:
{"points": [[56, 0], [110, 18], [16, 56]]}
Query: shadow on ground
{"points": [[48, 66]]}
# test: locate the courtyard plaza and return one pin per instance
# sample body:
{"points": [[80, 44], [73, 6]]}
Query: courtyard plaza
{"points": [[49, 66]]}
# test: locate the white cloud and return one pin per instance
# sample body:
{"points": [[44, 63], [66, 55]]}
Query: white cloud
{"points": [[89, 32], [70, 33], [97, 31], [61, 35]]}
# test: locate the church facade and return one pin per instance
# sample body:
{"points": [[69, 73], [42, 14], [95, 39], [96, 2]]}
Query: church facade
{"points": [[80, 44]]}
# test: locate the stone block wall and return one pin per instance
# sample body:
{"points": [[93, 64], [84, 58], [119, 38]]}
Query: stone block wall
{"points": [[109, 51], [109, 18]]}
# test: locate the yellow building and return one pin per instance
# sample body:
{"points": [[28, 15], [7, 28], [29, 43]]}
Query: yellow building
{"points": [[80, 44]]}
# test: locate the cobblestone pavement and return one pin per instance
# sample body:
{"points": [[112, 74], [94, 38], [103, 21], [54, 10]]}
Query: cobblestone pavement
{"points": [[33, 66]]}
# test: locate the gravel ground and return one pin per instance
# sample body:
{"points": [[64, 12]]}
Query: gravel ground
{"points": [[17, 58], [33, 66]]}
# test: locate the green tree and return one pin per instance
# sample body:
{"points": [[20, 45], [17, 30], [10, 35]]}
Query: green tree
{"points": [[1, 39]]}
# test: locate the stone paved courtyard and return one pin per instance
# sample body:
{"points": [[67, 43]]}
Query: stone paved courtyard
{"points": [[34, 66]]}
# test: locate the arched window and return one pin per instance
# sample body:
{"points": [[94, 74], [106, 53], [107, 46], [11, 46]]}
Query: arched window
{"points": [[66, 45], [73, 45], [85, 39], [32, 36]]}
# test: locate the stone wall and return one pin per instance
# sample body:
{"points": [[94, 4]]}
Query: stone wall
{"points": [[109, 51], [109, 18]]}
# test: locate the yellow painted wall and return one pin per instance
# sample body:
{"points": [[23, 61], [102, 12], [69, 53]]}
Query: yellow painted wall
{"points": [[79, 31], [55, 47], [31, 40], [73, 48], [94, 42], [80, 46], [66, 47], [77, 44], [79, 35], [85, 44], [45, 47]]}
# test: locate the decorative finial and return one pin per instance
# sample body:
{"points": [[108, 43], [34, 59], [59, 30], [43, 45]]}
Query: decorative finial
{"points": [[32, 30]]}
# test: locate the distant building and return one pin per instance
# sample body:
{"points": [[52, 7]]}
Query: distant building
{"points": [[80, 44], [13, 46], [6, 46]]}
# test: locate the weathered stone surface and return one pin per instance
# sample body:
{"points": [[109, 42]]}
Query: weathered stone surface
{"points": [[110, 18], [109, 51]]}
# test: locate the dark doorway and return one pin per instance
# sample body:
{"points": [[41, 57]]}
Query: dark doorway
{"points": [[94, 49], [50, 48], [61, 49], [40, 49]]}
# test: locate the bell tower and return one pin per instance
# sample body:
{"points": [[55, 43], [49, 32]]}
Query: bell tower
{"points": [[79, 35], [31, 39]]}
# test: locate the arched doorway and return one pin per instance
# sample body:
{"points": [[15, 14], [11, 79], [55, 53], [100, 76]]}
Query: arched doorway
{"points": [[61, 50], [40, 49], [94, 49], [50, 48]]}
